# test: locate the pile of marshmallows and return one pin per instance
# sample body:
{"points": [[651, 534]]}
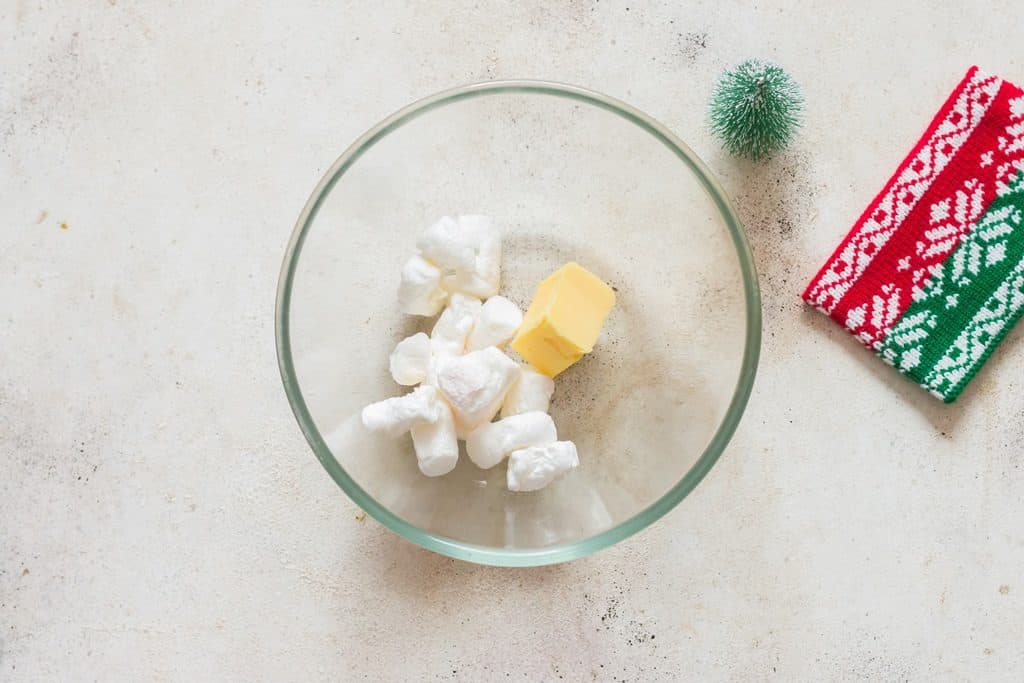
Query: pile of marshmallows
{"points": [[464, 377]]}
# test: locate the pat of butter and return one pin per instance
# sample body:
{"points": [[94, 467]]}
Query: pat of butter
{"points": [[564, 320]]}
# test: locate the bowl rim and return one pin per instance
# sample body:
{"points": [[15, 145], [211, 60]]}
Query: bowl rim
{"points": [[507, 557]]}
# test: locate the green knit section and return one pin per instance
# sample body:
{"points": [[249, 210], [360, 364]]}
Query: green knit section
{"points": [[976, 342], [967, 305]]}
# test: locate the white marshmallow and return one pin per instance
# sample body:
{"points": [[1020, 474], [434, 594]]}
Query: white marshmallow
{"points": [[482, 277], [475, 384], [531, 469], [436, 360], [437, 450], [410, 360], [532, 391], [490, 443], [420, 291], [497, 323], [448, 337], [397, 415], [448, 244]]}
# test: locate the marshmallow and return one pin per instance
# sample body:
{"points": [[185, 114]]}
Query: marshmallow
{"points": [[532, 391], [497, 323], [475, 384], [490, 443], [531, 469], [448, 337], [448, 244], [410, 360], [397, 415], [436, 360], [481, 277], [420, 292], [437, 450]]}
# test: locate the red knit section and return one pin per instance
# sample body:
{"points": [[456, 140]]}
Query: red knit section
{"points": [[954, 125], [933, 228]]}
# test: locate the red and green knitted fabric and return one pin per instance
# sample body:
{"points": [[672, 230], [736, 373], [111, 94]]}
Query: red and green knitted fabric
{"points": [[931, 277]]}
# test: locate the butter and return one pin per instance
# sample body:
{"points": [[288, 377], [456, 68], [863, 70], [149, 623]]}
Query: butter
{"points": [[564, 319]]}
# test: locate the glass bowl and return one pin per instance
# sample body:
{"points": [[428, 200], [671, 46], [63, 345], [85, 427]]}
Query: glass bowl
{"points": [[568, 174]]}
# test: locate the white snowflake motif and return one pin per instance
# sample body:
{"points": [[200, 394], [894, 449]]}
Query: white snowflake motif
{"points": [[910, 359], [995, 254], [1017, 107], [903, 264], [855, 318], [940, 211], [952, 300]]}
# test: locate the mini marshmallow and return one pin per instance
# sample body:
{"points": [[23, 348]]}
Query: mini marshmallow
{"points": [[531, 469], [532, 391], [420, 291], [410, 360], [475, 385], [497, 323], [482, 277], [437, 450], [448, 337], [450, 245], [490, 443], [397, 415]]}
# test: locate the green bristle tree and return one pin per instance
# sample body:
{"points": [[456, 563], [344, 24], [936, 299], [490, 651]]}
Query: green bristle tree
{"points": [[755, 109]]}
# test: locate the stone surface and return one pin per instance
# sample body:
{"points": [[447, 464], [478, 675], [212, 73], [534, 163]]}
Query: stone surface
{"points": [[162, 516]]}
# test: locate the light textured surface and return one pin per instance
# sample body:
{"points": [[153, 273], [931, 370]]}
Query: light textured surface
{"points": [[161, 517]]}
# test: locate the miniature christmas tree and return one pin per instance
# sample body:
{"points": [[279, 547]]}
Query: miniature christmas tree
{"points": [[755, 109]]}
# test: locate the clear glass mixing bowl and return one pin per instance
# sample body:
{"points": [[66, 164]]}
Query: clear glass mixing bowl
{"points": [[569, 174]]}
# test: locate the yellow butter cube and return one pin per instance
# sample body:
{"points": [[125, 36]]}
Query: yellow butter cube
{"points": [[564, 319]]}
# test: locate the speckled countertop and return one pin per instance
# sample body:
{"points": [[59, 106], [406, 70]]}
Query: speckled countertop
{"points": [[161, 517]]}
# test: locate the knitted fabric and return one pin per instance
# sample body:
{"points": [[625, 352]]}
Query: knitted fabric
{"points": [[931, 277]]}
